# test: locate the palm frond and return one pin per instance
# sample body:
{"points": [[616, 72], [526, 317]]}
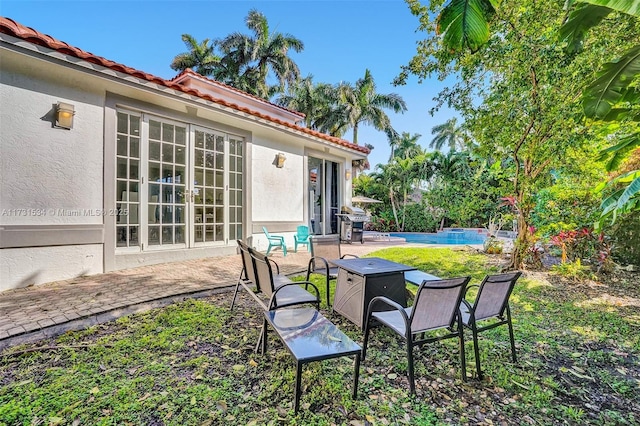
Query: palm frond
{"points": [[619, 151], [182, 61], [632, 191]]}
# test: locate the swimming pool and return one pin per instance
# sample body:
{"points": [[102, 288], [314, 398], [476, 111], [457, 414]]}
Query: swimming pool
{"points": [[445, 237]]}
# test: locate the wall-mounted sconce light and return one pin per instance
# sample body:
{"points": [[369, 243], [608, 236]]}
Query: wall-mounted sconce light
{"points": [[64, 115], [347, 174], [280, 158]]}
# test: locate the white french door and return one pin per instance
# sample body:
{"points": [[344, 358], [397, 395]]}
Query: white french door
{"points": [[208, 188], [180, 184], [216, 190], [166, 177]]}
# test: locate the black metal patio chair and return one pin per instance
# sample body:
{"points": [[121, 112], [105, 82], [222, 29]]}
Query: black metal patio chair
{"points": [[247, 276], [436, 306], [491, 305], [323, 250], [262, 279]]}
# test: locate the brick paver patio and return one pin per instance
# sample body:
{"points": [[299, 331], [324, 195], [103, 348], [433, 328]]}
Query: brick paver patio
{"points": [[32, 313]]}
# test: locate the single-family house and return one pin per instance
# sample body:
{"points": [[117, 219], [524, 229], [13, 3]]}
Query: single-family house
{"points": [[105, 167]]}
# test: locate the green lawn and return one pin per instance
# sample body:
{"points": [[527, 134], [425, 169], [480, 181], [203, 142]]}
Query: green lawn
{"points": [[193, 363]]}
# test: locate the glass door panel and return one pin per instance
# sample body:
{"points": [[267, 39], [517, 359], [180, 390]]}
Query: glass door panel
{"points": [[331, 202], [208, 187], [166, 203], [128, 180], [315, 196], [323, 196], [235, 188]]}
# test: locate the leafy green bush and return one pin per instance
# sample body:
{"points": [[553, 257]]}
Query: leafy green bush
{"points": [[563, 208], [575, 271], [381, 224], [625, 239], [418, 219]]}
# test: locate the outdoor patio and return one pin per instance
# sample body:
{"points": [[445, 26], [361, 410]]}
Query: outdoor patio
{"points": [[32, 313]]}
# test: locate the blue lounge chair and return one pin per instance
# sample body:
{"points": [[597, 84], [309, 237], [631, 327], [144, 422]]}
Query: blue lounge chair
{"points": [[275, 241], [301, 237]]}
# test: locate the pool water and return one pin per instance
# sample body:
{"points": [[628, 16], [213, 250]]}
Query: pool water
{"points": [[444, 237]]}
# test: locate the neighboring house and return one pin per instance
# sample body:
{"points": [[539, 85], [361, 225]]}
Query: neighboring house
{"points": [[151, 170]]}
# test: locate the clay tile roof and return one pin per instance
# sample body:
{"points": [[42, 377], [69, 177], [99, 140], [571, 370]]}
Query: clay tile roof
{"points": [[12, 28], [189, 71]]}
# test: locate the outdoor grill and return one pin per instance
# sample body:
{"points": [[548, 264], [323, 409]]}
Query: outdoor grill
{"points": [[352, 221]]}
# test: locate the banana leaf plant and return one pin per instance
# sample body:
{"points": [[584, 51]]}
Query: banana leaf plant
{"points": [[465, 23], [612, 96]]}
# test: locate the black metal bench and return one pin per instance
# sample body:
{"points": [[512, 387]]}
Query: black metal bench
{"points": [[310, 337]]}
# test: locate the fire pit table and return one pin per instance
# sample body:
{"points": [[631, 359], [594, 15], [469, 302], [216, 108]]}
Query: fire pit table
{"points": [[362, 279]]}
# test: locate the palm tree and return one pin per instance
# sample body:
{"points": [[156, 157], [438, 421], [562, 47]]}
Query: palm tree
{"points": [[313, 100], [361, 104], [330, 118], [319, 102], [399, 177], [426, 166], [404, 145], [254, 57], [200, 57], [446, 169], [449, 134], [452, 165]]}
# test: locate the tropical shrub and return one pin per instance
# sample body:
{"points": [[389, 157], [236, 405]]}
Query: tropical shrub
{"points": [[531, 248], [625, 239], [419, 219], [563, 208], [575, 271], [584, 245], [573, 244], [381, 224]]}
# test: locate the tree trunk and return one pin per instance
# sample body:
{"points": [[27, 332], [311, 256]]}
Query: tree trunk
{"points": [[404, 211], [524, 240], [520, 245], [393, 207]]}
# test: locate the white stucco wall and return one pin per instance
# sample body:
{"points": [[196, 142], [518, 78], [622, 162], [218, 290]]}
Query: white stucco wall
{"points": [[22, 267], [278, 193], [49, 177], [52, 171]]}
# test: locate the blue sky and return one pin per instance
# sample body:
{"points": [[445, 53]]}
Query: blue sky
{"points": [[342, 39]]}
